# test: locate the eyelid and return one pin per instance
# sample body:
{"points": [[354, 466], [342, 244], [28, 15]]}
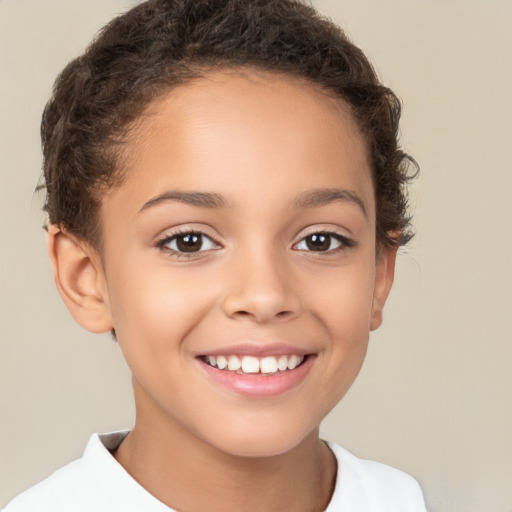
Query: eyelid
{"points": [[168, 236], [324, 228], [187, 228], [346, 241]]}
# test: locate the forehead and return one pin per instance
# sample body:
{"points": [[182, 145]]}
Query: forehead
{"points": [[247, 135]]}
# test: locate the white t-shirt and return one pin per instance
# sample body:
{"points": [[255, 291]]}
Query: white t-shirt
{"points": [[98, 483]]}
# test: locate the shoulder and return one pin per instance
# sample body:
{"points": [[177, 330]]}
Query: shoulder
{"points": [[369, 486], [52, 494], [94, 482]]}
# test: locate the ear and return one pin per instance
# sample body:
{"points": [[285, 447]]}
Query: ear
{"points": [[384, 275], [80, 280]]}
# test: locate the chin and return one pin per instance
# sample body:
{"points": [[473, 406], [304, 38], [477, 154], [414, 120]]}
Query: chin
{"points": [[264, 442]]}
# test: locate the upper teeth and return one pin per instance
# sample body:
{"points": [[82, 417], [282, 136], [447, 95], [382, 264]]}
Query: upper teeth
{"points": [[251, 364]]}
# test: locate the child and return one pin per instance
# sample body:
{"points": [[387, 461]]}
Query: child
{"points": [[225, 195]]}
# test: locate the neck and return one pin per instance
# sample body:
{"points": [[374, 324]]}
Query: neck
{"points": [[188, 474]]}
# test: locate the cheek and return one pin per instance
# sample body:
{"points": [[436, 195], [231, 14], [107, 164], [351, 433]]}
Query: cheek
{"points": [[153, 315], [343, 299], [343, 307], [153, 311]]}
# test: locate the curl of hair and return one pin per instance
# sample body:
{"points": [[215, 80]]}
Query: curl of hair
{"points": [[161, 44]]}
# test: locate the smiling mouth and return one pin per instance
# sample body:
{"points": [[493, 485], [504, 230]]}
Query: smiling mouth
{"points": [[250, 365]]}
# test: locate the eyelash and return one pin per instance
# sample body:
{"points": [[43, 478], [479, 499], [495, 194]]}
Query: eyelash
{"points": [[345, 243], [161, 244]]}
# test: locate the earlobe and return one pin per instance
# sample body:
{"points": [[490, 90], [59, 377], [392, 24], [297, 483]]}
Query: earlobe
{"points": [[384, 276], [80, 280]]}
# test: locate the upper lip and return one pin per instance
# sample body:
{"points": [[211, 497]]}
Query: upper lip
{"points": [[257, 350]]}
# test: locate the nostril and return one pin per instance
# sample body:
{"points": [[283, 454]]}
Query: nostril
{"points": [[260, 307]]}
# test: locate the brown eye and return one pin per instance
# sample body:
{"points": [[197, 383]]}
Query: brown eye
{"points": [[318, 242], [323, 242], [188, 243]]}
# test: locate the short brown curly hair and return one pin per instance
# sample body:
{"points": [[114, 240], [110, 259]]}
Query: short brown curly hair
{"points": [[160, 44]]}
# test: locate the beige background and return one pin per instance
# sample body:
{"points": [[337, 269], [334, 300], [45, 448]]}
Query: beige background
{"points": [[435, 395]]}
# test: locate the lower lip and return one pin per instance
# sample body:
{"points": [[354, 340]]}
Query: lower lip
{"points": [[259, 385]]}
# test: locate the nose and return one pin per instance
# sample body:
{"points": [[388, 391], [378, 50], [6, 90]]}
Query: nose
{"points": [[259, 290]]}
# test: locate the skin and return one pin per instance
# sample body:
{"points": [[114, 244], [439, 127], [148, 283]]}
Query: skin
{"points": [[260, 141]]}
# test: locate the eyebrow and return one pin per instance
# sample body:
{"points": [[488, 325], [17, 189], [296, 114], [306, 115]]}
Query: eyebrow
{"points": [[324, 196], [308, 199], [201, 199]]}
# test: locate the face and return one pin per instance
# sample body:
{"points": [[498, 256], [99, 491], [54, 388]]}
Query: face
{"points": [[239, 258]]}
